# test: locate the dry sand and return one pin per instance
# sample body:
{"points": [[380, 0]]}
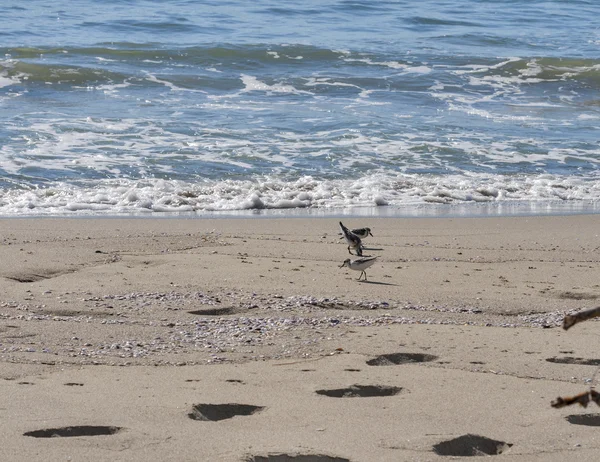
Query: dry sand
{"points": [[242, 339]]}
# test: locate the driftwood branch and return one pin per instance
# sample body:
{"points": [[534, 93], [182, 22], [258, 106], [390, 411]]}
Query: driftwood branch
{"points": [[571, 319], [584, 398]]}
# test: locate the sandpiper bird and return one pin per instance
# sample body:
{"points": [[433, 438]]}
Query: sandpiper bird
{"points": [[362, 232], [360, 264], [352, 239]]}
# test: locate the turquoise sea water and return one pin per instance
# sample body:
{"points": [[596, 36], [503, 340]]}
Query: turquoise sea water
{"points": [[354, 107]]}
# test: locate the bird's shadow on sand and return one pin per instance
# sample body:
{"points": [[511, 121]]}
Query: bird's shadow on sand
{"points": [[378, 283]]}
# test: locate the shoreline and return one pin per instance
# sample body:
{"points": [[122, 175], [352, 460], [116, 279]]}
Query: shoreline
{"points": [[428, 210], [130, 324]]}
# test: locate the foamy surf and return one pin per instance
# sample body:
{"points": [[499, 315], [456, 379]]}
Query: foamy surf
{"points": [[179, 112], [114, 197]]}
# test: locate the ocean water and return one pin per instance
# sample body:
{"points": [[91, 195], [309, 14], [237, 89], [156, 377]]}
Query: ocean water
{"points": [[187, 108]]}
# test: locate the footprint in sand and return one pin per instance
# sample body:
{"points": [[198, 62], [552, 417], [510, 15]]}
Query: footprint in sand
{"points": [[361, 391], [394, 359], [221, 311], [215, 412], [470, 445]]}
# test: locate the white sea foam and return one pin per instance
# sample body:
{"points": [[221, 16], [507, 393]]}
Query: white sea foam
{"points": [[324, 81], [123, 148], [588, 116], [379, 190], [251, 83], [11, 78], [152, 78], [5, 81], [482, 68], [111, 88], [418, 69]]}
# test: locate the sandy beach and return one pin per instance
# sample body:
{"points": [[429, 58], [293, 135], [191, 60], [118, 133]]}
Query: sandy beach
{"points": [[243, 339]]}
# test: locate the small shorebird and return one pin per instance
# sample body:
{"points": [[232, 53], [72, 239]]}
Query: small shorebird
{"points": [[360, 264], [352, 239], [362, 232]]}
